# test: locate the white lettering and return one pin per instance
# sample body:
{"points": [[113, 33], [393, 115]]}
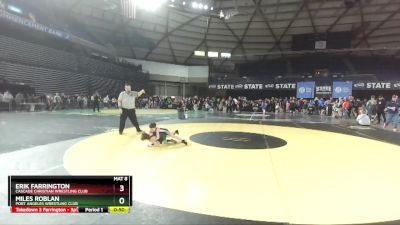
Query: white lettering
{"points": [[21, 186], [323, 88], [253, 86], [31, 24], [47, 198], [380, 85], [23, 198], [285, 86], [92, 210], [20, 203], [225, 86]]}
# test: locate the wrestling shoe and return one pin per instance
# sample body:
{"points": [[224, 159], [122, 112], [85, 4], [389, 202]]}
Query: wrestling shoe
{"points": [[184, 142]]}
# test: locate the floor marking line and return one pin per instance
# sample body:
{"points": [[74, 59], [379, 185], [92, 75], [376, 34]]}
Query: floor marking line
{"points": [[361, 134], [283, 197], [252, 116], [51, 168], [38, 147]]}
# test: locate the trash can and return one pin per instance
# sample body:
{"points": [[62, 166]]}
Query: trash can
{"points": [[181, 114]]}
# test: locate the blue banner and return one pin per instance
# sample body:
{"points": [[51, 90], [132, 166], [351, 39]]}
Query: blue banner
{"points": [[305, 89], [342, 89]]}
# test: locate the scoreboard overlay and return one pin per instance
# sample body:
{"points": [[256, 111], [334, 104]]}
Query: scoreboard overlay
{"points": [[70, 194]]}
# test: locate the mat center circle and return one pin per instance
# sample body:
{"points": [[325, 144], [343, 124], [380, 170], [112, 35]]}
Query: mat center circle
{"points": [[238, 140]]}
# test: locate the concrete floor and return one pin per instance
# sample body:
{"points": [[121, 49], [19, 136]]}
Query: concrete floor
{"points": [[35, 143]]}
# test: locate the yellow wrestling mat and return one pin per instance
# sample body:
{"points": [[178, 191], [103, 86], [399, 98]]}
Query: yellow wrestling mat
{"points": [[318, 177]]}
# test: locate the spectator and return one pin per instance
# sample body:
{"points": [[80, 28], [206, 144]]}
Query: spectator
{"points": [[337, 109], [392, 113], [329, 107], [19, 99], [380, 109], [114, 102], [264, 106], [371, 107], [357, 107], [84, 102], [229, 104], [321, 105], [79, 99], [96, 102], [346, 106], [292, 106], [57, 102], [363, 119], [8, 97], [287, 106], [274, 106], [106, 101]]}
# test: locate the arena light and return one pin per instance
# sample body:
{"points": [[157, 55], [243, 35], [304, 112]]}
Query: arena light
{"points": [[183, 3], [213, 54], [225, 55], [199, 53], [14, 9], [200, 5], [149, 5], [212, 8]]}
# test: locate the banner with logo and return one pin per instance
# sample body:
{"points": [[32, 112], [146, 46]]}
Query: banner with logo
{"points": [[33, 25], [376, 85], [342, 89], [321, 89], [305, 89], [251, 85]]}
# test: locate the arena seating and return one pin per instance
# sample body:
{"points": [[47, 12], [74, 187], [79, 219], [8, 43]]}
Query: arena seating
{"points": [[50, 70], [383, 68], [51, 81], [17, 51], [26, 53]]}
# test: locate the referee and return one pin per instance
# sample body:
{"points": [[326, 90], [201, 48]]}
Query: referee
{"points": [[126, 101]]}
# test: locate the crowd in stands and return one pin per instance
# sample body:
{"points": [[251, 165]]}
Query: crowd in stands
{"points": [[59, 101], [343, 108], [52, 102], [365, 111]]}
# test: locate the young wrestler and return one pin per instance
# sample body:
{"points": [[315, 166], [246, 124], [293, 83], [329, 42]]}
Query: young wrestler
{"points": [[158, 136]]}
